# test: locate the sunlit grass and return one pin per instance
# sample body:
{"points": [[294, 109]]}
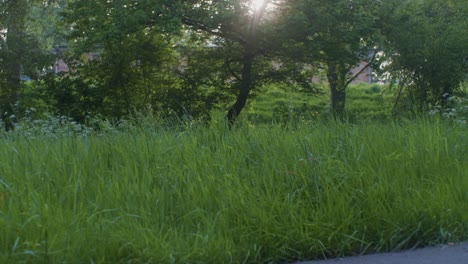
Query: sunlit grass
{"points": [[283, 104], [250, 195]]}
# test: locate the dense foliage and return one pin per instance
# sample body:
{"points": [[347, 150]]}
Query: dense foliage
{"points": [[426, 46], [338, 35], [187, 58]]}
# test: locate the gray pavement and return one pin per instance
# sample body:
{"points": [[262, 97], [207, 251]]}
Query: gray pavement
{"points": [[444, 254]]}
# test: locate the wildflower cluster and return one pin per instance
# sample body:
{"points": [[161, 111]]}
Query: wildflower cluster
{"points": [[49, 125], [457, 112]]}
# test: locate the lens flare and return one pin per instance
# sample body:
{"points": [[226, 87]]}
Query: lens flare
{"points": [[257, 4]]}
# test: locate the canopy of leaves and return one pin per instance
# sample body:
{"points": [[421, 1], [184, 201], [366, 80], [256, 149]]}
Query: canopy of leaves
{"points": [[190, 56], [427, 47], [339, 31]]}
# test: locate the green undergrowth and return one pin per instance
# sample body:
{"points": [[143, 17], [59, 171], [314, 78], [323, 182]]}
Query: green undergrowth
{"points": [[273, 194], [283, 104]]}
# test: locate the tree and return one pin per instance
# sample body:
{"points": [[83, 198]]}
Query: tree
{"points": [[245, 31], [337, 35], [426, 46], [131, 45], [20, 53], [13, 16]]}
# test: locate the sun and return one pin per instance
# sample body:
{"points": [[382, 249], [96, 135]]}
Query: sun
{"points": [[257, 4]]}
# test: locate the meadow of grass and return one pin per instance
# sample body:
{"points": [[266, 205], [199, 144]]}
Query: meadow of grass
{"points": [[254, 194]]}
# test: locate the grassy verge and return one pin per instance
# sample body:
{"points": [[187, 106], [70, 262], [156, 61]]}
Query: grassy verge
{"points": [[251, 195]]}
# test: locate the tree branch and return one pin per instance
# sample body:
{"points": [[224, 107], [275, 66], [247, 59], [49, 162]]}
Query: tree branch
{"points": [[216, 32], [362, 70], [228, 66]]}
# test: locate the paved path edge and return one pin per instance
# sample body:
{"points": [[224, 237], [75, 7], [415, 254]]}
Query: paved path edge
{"points": [[456, 253]]}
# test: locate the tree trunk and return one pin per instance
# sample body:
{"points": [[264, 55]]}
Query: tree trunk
{"points": [[12, 65], [336, 80], [11, 95], [244, 88]]}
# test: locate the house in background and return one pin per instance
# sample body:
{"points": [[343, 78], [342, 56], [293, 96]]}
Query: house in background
{"points": [[366, 74], [59, 65]]}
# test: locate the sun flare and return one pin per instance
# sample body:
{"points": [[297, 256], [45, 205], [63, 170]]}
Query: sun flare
{"points": [[257, 4]]}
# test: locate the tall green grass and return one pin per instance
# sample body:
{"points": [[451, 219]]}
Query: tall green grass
{"points": [[250, 195]]}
